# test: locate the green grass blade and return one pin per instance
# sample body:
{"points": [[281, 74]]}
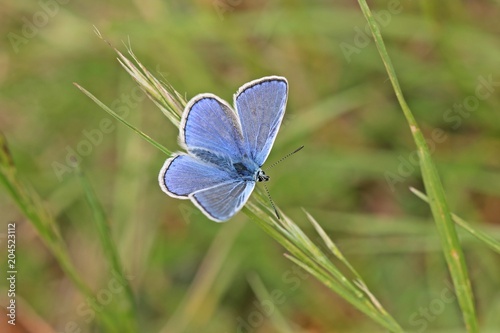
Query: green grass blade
{"points": [[260, 290], [168, 100], [30, 204], [116, 116], [306, 255], [363, 305], [330, 244], [206, 277], [446, 229], [359, 282], [481, 235], [109, 247]]}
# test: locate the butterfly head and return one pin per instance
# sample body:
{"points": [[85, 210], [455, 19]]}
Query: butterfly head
{"points": [[261, 176]]}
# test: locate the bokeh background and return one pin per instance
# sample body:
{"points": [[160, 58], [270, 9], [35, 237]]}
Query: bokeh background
{"points": [[192, 275]]}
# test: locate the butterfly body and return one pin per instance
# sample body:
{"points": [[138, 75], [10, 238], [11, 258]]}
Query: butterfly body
{"points": [[226, 148]]}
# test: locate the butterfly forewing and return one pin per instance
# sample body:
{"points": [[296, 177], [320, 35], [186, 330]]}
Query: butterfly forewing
{"points": [[210, 124], [261, 105]]}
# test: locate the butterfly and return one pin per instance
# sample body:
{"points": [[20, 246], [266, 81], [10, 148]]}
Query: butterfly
{"points": [[226, 148]]}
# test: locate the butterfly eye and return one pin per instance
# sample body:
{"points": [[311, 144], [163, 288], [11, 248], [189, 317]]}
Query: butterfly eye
{"points": [[262, 177]]}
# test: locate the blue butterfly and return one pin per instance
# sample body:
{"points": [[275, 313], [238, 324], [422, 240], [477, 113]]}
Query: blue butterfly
{"points": [[226, 148]]}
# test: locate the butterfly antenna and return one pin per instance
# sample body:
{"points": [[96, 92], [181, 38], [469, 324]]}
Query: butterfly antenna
{"points": [[272, 202], [267, 190], [286, 156]]}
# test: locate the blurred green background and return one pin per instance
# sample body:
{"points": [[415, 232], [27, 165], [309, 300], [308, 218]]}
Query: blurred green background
{"points": [[192, 275]]}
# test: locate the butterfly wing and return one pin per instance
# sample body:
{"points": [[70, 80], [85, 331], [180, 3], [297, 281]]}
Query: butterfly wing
{"points": [[184, 174], [221, 202], [210, 129], [260, 105], [217, 192]]}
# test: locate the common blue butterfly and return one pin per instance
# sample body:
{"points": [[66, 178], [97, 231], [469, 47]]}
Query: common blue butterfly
{"points": [[226, 148]]}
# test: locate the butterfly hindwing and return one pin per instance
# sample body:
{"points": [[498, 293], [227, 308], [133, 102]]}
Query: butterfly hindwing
{"points": [[221, 202], [215, 191], [184, 174]]}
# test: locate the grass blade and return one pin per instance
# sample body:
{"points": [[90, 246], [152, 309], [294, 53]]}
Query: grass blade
{"points": [[259, 289], [308, 256], [482, 236], [204, 280], [446, 229], [116, 116], [30, 204], [109, 247], [168, 100]]}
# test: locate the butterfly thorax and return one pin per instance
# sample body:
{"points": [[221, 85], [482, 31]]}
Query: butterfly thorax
{"points": [[249, 171], [246, 169]]}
